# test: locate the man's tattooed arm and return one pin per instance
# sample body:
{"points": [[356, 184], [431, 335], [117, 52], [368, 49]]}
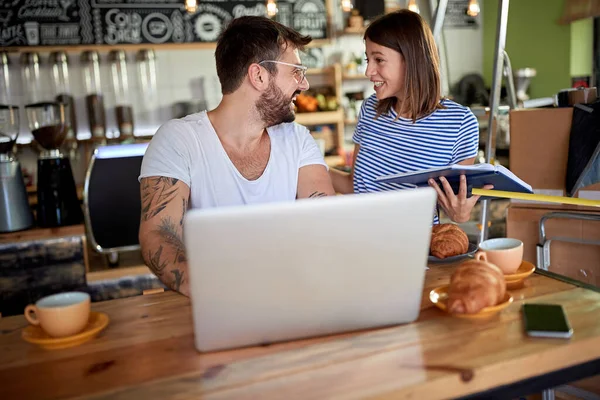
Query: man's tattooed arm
{"points": [[316, 194], [157, 192], [164, 204]]}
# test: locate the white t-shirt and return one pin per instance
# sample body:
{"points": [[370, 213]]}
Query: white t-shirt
{"points": [[189, 149]]}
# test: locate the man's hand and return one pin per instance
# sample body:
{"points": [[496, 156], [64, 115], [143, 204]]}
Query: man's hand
{"points": [[164, 204]]}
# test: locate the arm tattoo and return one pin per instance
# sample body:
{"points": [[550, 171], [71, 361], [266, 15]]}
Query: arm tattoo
{"points": [[179, 278], [154, 262], [170, 234], [157, 192], [317, 194], [185, 206]]}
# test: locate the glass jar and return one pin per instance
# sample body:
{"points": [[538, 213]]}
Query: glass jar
{"points": [[31, 77], [90, 64], [120, 80], [147, 73], [5, 71], [61, 87]]}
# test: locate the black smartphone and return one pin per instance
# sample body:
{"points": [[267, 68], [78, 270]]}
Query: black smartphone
{"points": [[546, 320]]}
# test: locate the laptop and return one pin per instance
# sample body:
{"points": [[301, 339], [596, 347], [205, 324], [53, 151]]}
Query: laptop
{"points": [[276, 272]]}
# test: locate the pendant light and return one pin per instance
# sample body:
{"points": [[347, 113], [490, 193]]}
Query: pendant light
{"points": [[473, 9], [272, 8]]}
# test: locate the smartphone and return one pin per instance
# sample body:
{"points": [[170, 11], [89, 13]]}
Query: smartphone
{"points": [[546, 320]]}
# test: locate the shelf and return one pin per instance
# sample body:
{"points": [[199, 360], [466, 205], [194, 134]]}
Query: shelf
{"points": [[319, 118], [354, 77], [133, 47], [352, 31], [334, 161], [117, 273], [319, 71], [37, 233], [350, 121]]}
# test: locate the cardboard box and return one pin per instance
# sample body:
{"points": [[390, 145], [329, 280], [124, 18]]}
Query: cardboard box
{"points": [[539, 150], [575, 260]]}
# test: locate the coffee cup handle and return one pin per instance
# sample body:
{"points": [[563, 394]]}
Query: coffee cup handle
{"points": [[30, 315], [480, 255]]}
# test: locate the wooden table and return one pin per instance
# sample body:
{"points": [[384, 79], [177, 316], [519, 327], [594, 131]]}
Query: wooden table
{"points": [[147, 352]]}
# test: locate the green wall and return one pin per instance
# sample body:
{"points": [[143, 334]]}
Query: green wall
{"points": [[534, 39], [582, 47]]}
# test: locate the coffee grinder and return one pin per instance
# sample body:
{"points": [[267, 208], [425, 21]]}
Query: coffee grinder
{"points": [[15, 213], [58, 204]]}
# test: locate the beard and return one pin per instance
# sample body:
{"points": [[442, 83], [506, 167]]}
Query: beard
{"points": [[274, 107]]}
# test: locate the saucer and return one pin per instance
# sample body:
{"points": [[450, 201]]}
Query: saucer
{"points": [[439, 297], [449, 260], [34, 334], [525, 269]]}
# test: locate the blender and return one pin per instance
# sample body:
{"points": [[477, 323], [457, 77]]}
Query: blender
{"points": [[58, 204]]}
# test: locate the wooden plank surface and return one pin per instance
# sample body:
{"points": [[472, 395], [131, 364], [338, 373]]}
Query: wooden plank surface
{"points": [[42, 233], [148, 352]]}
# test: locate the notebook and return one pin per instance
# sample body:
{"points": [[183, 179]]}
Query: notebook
{"points": [[478, 176]]}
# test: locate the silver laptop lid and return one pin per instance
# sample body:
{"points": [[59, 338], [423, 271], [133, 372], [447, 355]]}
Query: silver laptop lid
{"points": [[272, 272]]}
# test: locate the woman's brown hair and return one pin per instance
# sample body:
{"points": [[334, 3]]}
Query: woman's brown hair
{"points": [[407, 33]]}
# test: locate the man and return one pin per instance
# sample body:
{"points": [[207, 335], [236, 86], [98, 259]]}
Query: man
{"points": [[245, 151]]}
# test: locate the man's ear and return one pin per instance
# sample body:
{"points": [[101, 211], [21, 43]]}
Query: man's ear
{"points": [[258, 77]]}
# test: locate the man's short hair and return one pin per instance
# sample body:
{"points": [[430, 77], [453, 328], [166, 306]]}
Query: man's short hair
{"points": [[250, 40]]}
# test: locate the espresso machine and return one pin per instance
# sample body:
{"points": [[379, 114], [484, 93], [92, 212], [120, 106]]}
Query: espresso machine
{"points": [[58, 204], [15, 214]]}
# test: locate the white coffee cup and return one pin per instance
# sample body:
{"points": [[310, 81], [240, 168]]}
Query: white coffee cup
{"points": [[60, 315]]}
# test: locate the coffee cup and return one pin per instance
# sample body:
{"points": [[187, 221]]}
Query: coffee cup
{"points": [[505, 253], [60, 315]]}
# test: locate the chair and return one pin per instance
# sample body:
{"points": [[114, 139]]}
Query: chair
{"points": [[543, 262], [543, 246], [111, 199]]}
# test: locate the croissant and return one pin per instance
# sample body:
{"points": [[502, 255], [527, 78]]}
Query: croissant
{"points": [[474, 285], [448, 240]]}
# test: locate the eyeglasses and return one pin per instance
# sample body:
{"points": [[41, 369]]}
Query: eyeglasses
{"points": [[299, 72]]}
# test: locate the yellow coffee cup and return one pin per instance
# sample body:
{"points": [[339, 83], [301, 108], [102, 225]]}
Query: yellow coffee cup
{"points": [[505, 253], [60, 315]]}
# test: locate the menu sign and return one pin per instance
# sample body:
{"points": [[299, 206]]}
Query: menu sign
{"points": [[456, 15], [114, 22]]}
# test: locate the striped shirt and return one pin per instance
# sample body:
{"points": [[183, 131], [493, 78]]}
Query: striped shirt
{"points": [[391, 146]]}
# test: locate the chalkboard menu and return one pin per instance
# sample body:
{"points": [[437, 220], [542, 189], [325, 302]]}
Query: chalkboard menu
{"points": [[457, 17], [117, 22]]}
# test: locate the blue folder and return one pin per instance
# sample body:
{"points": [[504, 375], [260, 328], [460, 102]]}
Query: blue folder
{"points": [[478, 176]]}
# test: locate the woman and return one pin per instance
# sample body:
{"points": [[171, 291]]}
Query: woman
{"points": [[406, 125]]}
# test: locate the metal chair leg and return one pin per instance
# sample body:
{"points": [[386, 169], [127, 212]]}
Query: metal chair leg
{"points": [[548, 394]]}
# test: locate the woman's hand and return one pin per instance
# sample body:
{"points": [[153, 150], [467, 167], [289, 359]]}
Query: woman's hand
{"points": [[457, 206]]}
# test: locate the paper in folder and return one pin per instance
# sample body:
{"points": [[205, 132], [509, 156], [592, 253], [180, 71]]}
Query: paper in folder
{"points": [[478, 176]]}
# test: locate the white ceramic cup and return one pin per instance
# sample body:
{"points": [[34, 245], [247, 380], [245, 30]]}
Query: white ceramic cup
{"points": [[505, 253], [60, 315]]}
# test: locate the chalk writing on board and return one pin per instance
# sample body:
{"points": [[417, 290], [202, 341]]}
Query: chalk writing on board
{"points": [[114, 22]]}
